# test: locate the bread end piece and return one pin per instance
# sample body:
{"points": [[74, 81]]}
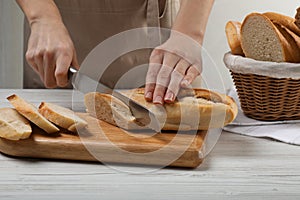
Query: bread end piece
{"points": [[13, 126], [31, 113], [232, 30], [62, 116]]}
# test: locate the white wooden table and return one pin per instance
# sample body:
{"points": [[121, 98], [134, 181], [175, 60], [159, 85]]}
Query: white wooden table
{"points": [[239, 167]]}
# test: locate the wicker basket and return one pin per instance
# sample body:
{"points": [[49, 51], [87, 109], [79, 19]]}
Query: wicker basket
{"points": [[268, 98]]}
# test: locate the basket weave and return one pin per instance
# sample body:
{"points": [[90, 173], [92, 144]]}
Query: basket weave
{"points": [[266, 98]]}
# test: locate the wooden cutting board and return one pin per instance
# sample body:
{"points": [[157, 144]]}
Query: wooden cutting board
{"points": [[109, 144]]}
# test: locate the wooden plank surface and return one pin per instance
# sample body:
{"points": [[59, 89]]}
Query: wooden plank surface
{"points": [[239, 167], [106, 143]]}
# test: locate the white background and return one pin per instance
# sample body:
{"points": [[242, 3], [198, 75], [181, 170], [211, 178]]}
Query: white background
{"points": [[11, 25]]}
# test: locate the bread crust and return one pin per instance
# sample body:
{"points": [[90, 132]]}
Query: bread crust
{"points": [[62, 116], [232, 30], [297, 18], [30, 112], [107, 108], [292, 39], [211, 109], [13, 126], [287, 46], [283, 20]]}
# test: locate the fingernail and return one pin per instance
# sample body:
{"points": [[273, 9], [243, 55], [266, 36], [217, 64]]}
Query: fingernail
{"points": [[148, 95], [158, 100], [185, 83], [169, 97]]}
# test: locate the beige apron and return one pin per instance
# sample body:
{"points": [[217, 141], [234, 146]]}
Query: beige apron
{"points": [[92, 21]]}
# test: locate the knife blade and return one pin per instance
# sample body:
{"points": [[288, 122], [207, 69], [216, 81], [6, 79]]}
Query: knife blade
{"points": [[85, 84]]}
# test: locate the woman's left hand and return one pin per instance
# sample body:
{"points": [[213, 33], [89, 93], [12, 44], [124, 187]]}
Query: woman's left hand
{"points": [[173, 65]]}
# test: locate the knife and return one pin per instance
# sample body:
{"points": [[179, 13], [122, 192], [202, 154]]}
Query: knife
{"points": [[85, 84]]}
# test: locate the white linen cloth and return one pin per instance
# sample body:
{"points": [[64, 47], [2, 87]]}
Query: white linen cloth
{"points": [[284, 131], [240, 64]]}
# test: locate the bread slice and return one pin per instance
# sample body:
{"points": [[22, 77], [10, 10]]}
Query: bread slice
{"points": [[283, 20], [110, 109], [62, 116], [297, 18], [30, 112], [197, 109], [13, 126], [233, 35], [261, 40], [291, 37]]}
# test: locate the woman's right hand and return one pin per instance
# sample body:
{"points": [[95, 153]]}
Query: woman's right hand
{"points": [[51, 52]]}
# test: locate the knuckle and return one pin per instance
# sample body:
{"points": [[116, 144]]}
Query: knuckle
{"points": [[60, 74], [29, 56], [165, 72], [195, 70], [156, 55], [49, 52], [39, 53], [177, 75], [163, 76], [154, 68], [151, 74], [156, 52]]}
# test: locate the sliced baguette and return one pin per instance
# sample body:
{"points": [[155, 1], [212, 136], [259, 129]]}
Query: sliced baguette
{"points": [[232, 30], [13, 126], [291, 37], [62, 116], [283, 20], [30, 112], [198, 109], [297, 18], [261, 40], [110, 110]]}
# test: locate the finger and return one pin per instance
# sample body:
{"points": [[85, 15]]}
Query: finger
{"points": [[30, 60], [61, 71], [75, 63], [30, 53], [190, 76], [155, 64], [164, 76], [38, 59], [176, 78], [49, 68]]}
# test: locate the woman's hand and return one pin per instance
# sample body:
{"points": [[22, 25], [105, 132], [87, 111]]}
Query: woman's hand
{"points": [[177, 62], [51, 52], [173, 65]]}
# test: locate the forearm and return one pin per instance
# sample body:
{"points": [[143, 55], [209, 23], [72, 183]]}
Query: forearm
{"points": [[38, 10], [192, 18]]}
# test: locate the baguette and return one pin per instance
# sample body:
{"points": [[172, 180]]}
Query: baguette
{"points": [[233, 35], [212, 110], [110, 109], [262, 40], [13, 126], [30, 112], [62, 117]]}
